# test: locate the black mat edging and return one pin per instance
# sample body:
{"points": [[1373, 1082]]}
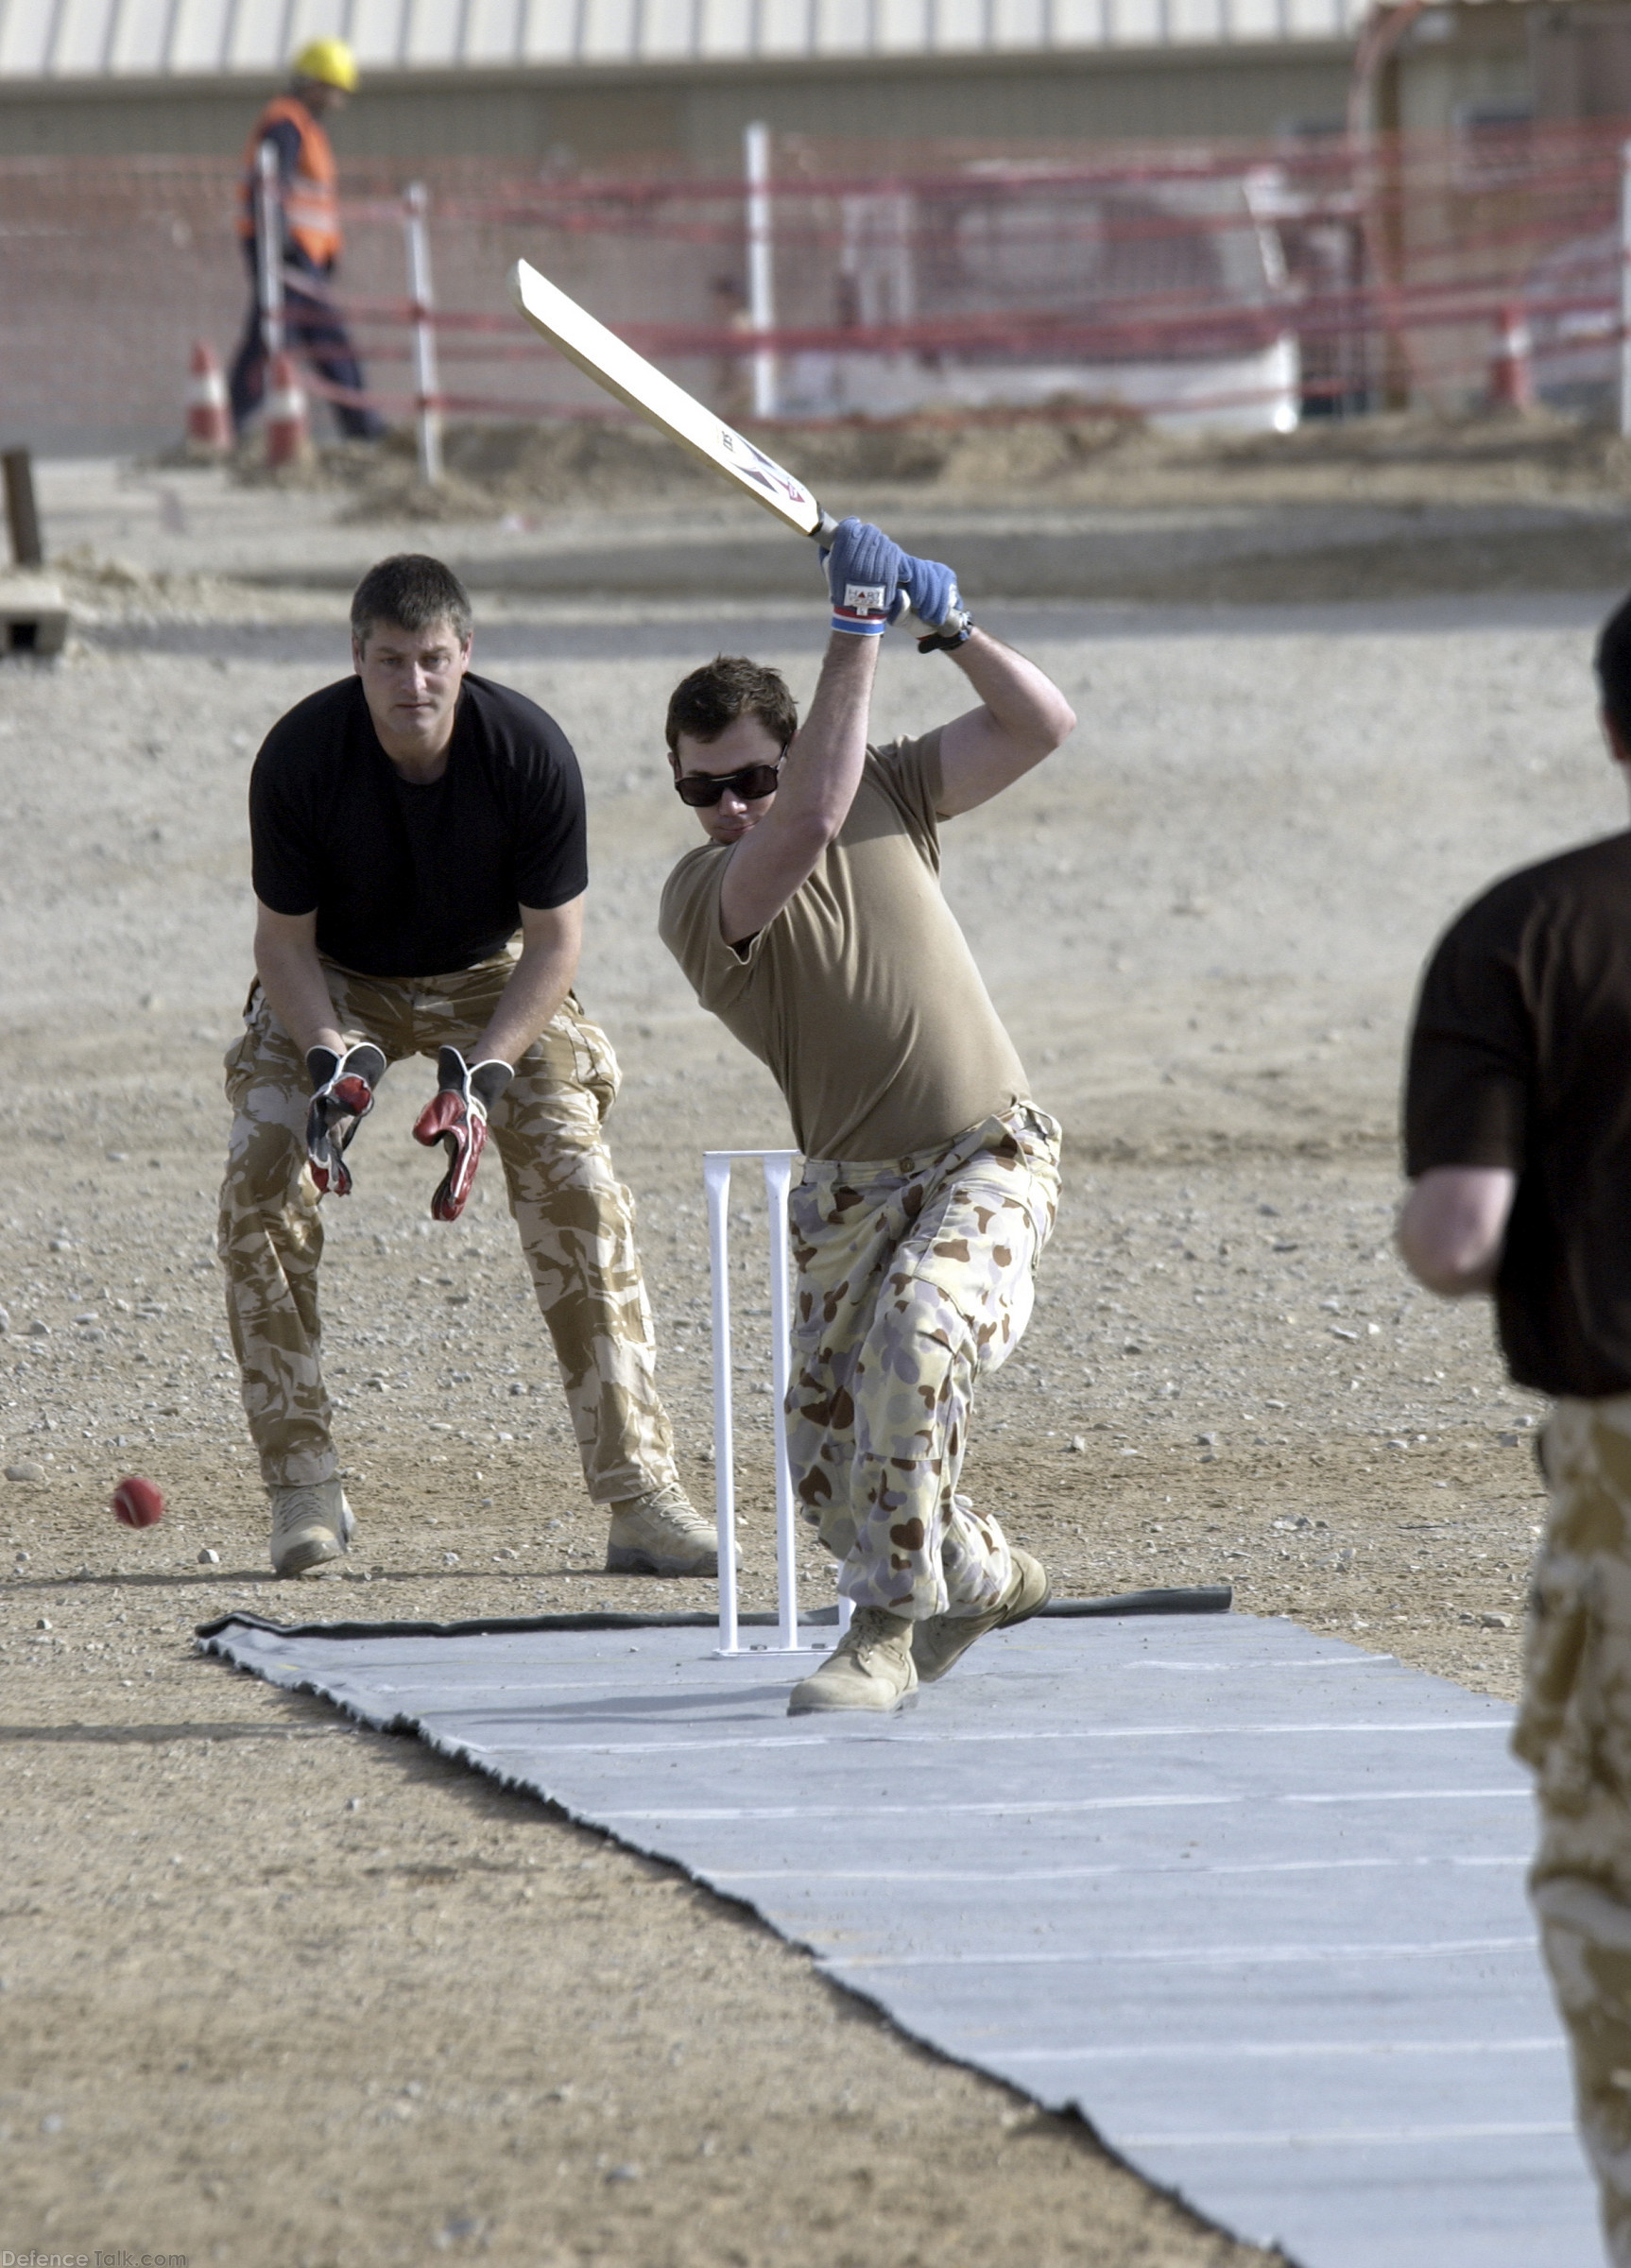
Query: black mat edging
{"points": [[1206, 1598]]}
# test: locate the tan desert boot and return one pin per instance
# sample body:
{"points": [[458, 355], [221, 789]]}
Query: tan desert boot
{"points": [[871, 1667], [940, 1640], [663, 1534], [310, 1524]]}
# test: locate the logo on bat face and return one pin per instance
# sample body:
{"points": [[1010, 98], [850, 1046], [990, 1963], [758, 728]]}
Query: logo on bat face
{"points": [[754, 465]]}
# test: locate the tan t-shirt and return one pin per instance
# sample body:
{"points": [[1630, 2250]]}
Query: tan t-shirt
{"points": [[861, 997]]}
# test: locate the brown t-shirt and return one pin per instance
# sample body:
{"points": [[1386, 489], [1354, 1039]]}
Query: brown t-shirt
{"points": [[1521, 1057], [861, 997]]}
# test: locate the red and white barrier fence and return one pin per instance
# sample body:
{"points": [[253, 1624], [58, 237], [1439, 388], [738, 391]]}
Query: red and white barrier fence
{"points": [[1193, 285]]}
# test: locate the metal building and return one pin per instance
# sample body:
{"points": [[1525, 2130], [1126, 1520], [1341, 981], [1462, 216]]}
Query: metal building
{"points": [[593, 81]]}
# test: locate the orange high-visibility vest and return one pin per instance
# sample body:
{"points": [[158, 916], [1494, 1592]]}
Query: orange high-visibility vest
{"points": [[311, 195]]}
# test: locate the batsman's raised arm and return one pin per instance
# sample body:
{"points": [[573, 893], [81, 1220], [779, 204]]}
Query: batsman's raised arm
{"points": [[1023, 717], [775, 855], [778, 793]]}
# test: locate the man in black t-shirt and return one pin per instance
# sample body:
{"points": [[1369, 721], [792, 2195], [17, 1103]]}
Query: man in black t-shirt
{"points": [[405, 825], [1517, 1141]]}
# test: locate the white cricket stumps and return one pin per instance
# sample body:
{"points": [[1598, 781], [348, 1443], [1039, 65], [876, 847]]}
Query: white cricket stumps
{"points": [[777, 1165]]}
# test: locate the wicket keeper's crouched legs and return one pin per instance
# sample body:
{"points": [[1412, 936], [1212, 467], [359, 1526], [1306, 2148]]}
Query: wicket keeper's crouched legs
{"points": [[914, 1279], [576, 1219]]}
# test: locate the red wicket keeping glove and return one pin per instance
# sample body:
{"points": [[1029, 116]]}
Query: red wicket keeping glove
{"points": [[456, 1117], [342, 1096]]}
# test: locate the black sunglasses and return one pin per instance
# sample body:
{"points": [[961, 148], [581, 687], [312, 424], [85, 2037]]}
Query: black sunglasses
{"points": [[702, 790]]}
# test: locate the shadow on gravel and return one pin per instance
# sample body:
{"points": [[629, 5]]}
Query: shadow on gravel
{"points": [[682, 642], [1291, 558]]}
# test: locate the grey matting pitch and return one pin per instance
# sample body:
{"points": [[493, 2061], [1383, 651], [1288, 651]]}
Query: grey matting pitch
{"points": [[1251, 1900]]}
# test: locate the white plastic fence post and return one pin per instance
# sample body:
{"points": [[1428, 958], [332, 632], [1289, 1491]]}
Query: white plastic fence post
{"points": [[760, 265], [269, 248], [1625, 289], [778, 1181], [416, 229], [716, 1180]]}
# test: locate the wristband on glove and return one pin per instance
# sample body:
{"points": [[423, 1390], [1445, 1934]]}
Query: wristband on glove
{"points": [[342, 1096], [456, 1117], [864, 579], [950, 635]]}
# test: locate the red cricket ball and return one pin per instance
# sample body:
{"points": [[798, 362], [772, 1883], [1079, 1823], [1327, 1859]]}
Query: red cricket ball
{"points": [[137, 1502]]}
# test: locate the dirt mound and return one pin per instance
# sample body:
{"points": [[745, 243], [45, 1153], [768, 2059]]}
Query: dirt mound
{"points": [[1073, 454], [495, 469]]}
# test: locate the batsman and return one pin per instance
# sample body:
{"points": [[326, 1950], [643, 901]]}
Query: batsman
{"points": [[812, 924], [420, 869]]}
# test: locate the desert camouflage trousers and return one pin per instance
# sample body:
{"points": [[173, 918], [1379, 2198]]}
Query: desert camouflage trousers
{"points": [[916, 1278], [1574, 1729], [575, 1218]]}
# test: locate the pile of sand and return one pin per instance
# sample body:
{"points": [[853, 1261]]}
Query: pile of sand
{"points": [[1073, 453]]}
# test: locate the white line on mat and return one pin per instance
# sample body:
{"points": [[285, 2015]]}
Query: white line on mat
{"points": [[1078, 1874], [892, 1811], [1021, 1734], [1027, 1808], [1271, 2050], [1189, 1956], [1409, 1796], [1360, 2137]]}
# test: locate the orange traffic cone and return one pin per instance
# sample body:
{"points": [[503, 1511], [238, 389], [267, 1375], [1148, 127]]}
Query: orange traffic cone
{"points": [[1511, 372], [209, 420], [286, 413]]}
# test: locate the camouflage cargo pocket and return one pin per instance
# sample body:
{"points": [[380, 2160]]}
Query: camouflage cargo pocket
{"points": [[243, 1047], [595, 1066], [1574, 1725], [1553, 1734]]}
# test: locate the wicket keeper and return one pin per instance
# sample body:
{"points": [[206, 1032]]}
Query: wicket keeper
{"points": [[1517, 1141], [419, 869], [811, 921]]}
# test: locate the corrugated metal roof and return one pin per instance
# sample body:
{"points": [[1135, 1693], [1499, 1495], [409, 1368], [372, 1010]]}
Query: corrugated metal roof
{"points": [[102, 38]]}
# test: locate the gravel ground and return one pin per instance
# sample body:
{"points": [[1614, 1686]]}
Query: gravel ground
{"points": [[281, 1991]]}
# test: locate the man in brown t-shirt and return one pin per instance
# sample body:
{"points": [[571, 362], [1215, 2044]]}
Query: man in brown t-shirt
{"points": [[1517, 1140], [811, 921]]}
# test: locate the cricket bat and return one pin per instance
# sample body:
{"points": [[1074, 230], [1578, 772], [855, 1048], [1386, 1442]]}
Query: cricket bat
{"points": [[600, 354]]}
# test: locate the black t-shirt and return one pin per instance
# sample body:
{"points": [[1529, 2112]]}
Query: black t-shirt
{"points": [[408, 880], [1521, 1057]]}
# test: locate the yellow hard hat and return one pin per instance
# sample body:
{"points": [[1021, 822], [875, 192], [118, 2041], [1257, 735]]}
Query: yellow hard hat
{"points": [[329, 60]]}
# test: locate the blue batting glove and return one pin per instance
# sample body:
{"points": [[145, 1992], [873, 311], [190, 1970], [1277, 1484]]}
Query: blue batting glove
{"points": [[932, 588], [864, 579]]}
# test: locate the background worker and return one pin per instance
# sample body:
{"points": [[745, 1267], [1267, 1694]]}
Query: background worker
{"points": [[812, 924], [324, 77], [407, 824], [1517, 1141]]}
